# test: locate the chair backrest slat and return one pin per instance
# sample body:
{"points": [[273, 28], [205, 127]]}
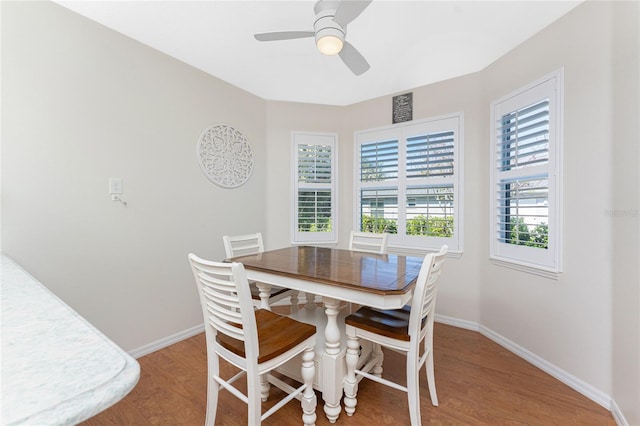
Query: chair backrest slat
{"points": [[232, 316], [368, 242], [426, 290], [241, 245], [224, 327], [220, 295], [222, 298], [226, 301]]}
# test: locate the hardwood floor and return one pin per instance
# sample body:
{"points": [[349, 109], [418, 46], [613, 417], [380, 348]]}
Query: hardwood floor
{"points": [[478, 383]]}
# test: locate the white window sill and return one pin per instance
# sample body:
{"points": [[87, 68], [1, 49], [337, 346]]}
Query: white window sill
{"points": [[415, 252], [554, 275]]}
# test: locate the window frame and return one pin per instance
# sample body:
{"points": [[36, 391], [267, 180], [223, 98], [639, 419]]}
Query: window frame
{"points": [[400, 242], [314, 138], [544, 262]]}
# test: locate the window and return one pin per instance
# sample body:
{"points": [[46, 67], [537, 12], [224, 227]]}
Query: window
{"points": [[314, 188], [408, 183], [526, 177]]}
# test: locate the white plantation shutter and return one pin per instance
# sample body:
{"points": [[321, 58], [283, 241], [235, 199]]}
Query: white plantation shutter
{"points": [[314, 187], [430, 155], [523, 179], [523, 210], [431, 179], [379, 161], [379, 203], [379, 200], [408, 183], [433, 203], [314, 163], [526, 181], [314, 211], [524, 137]]}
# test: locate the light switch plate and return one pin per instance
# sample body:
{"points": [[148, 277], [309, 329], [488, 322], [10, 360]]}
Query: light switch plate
{"points": [[115, 185]]}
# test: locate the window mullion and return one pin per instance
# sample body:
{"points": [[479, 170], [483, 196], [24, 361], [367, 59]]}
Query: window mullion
{"points": [[402, 186]]}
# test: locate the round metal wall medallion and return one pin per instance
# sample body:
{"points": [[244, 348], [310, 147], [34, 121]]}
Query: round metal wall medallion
{"points": [[225, 156]]}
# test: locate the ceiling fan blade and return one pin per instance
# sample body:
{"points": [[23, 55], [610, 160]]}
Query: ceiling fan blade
{"points": [[353, 59], [283, 35], [348, 10]]}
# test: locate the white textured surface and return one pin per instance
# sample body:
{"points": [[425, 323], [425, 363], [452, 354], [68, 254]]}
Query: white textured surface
{"points": [[407, 43], [225, 156], [56, 367]]}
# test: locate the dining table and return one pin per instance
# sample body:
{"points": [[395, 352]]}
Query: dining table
{"points": [[383, 281]]}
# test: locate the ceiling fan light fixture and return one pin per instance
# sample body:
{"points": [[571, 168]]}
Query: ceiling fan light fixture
{"points": [[330, 31], [329, 44], [329, 34]]}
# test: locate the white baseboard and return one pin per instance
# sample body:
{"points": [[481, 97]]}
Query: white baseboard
{"points": [[456, 322], [585, 389], [617, 414], [166, 341]]}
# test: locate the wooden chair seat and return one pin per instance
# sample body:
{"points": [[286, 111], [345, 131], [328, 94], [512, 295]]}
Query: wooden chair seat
{"points": [[276, 335], [393, 323]]}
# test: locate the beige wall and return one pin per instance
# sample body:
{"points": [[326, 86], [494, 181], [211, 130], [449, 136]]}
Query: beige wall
{"points": [[458, 294], [564, 321], [81, 104], [625, 219], [587, 322], [282, 119]]}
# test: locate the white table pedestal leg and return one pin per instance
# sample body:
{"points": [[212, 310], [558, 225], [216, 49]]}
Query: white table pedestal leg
{"points": [[350, 381], [294, 301], [379, 356], [310, 301], [333, 362], [265, 293], [309, 401]]}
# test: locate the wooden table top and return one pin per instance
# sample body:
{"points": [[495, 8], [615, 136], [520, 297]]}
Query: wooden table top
{"points": [[375, 273]]}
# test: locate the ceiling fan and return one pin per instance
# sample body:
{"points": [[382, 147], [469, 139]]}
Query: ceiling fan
{"points": [[329, 30]]}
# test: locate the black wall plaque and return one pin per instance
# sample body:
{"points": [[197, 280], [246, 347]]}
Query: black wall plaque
{"points": [[403, 108]]}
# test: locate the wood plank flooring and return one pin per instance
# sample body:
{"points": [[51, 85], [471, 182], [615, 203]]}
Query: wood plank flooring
{"points": [[478, 383]]}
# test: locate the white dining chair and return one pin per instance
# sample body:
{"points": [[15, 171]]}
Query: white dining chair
{"points": [[368, 242], [402, 330], [240, 245], [255, 341]]}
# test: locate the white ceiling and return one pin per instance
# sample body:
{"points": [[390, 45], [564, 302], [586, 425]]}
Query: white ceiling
{"points": [[407, 43]]}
